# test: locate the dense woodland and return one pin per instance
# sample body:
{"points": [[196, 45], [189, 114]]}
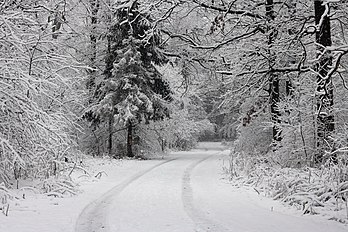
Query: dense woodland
{"points": [[137, 77]]}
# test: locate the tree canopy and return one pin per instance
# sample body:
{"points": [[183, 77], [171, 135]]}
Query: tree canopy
{"points": [[128, 77]]}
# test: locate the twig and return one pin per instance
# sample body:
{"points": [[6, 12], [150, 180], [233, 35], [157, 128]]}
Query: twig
{"points": [[257, 191], [99, 174], [8, 208]]}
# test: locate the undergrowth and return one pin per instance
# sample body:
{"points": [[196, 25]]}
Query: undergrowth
{"points": [[321, 190], [65, 183]]}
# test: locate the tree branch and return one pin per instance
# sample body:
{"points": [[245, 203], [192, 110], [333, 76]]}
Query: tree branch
{"points": [[274, 70], [229, 10], [195, 45]]}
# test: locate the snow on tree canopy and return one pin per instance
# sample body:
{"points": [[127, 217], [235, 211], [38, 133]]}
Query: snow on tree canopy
{"points": [[132, 90]]}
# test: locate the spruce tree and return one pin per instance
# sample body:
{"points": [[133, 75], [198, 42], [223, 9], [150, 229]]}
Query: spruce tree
{"points": [[133, 90]]}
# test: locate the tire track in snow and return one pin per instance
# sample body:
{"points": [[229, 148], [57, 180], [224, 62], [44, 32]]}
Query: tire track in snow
{"points": [[93, 218], [200, 219]]}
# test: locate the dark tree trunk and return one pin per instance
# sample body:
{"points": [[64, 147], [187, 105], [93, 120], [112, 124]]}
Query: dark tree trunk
{"points": [[273, 77], [289, 91], [274, 98], [110, 132], [94, 4], [130, 139], [162, 144], [324, 96]]}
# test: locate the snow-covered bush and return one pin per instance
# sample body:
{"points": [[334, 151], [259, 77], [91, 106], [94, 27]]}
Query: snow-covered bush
{"points": [[321, 190], [38, 94], [254, 133], [286, 171], [5, 196], [58, 187]]}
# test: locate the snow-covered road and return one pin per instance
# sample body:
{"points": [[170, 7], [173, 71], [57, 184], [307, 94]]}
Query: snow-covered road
{"points": [[186, 193]]}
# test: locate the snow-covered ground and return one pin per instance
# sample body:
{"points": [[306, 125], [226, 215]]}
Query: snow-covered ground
{"points": [[185, 191]]}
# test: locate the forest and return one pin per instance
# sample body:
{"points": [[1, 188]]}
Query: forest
{"points": [[134, 78]]}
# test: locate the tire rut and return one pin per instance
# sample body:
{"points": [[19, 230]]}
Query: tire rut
{"points": [[94, 216], [199, 218]]}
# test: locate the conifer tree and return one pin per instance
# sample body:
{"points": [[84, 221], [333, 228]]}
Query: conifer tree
{"points": [[132, 91]]}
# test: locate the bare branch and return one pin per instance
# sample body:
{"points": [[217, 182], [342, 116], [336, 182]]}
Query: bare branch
{"points": [[229, 10], [194, 44], [263, 71]]}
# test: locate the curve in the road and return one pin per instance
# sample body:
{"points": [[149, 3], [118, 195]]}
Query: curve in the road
{"points": [[93, 217], [200, 219]]}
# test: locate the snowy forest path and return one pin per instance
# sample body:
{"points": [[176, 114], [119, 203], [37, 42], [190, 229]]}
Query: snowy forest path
{"points": [[164, 189], [94, 215], [202, 222], [187, 193]]}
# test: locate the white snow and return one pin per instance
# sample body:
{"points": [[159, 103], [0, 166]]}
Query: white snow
{"points": [[185, 191], [38, 213]]}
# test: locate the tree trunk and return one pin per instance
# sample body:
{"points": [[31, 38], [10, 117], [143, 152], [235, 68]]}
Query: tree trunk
{"points": [[289, 91], [324, 94], [94, 5], [130, 139], [273, 78], [110, 132], [109, 60]]}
